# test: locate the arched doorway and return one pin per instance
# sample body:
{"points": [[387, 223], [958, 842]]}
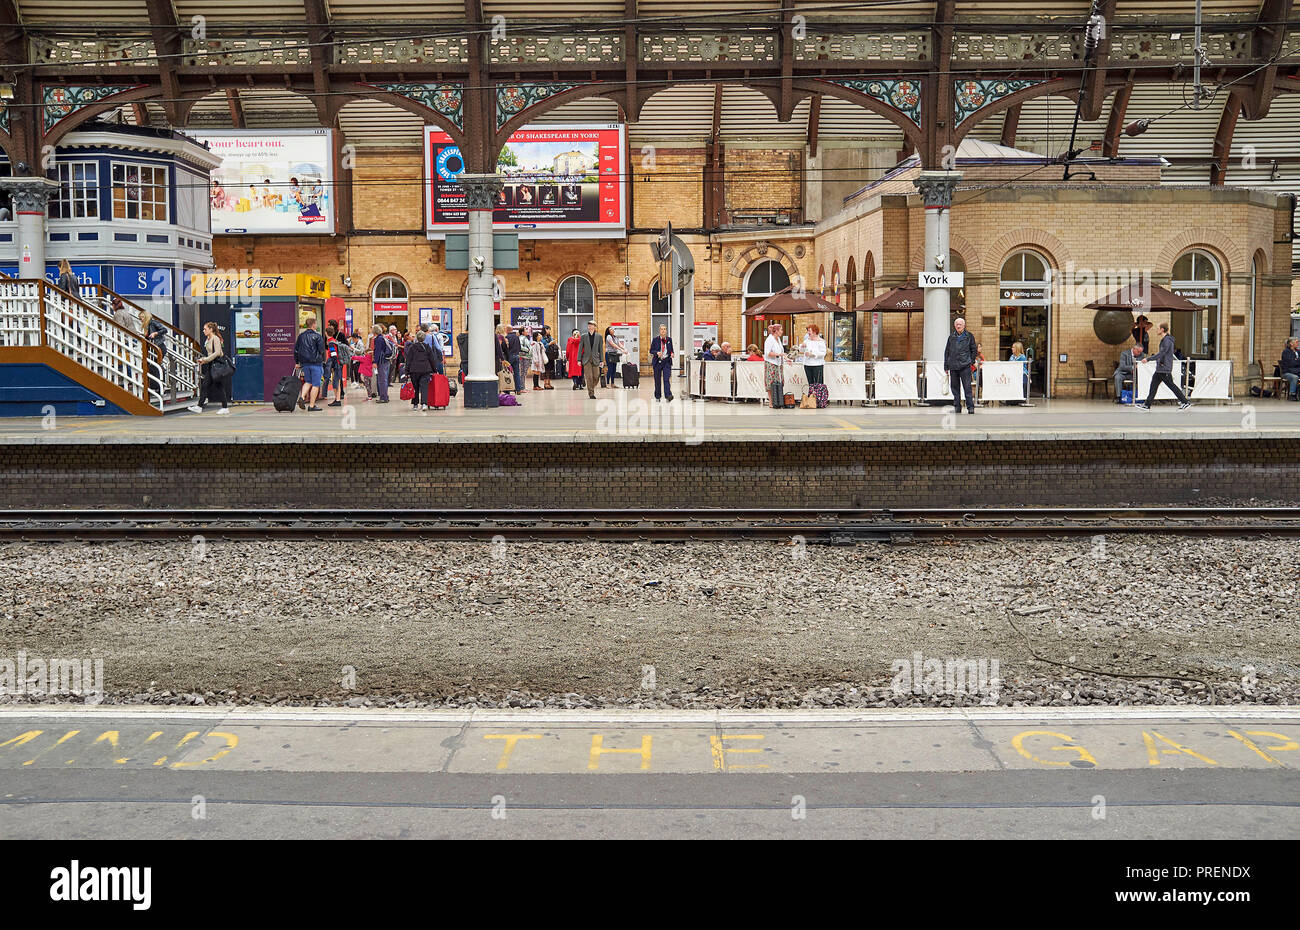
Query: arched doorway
{"points": [[761, 282], [1025, 315], [1197, 277], [390, 303], [575, 304]]}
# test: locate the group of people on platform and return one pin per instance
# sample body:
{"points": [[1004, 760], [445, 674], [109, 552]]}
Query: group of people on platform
{"points": [[334, 361]]}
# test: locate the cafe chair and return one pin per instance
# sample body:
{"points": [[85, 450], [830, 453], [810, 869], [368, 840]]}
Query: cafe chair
{"points": [[1094, 382]]}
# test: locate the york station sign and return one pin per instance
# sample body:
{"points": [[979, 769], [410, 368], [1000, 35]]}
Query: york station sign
{"points": [[942, 278]]}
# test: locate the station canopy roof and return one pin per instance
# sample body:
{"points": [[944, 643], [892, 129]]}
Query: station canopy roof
{"points": [[684, 113]]}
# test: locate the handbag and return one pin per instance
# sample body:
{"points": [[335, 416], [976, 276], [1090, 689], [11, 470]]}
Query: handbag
{"points": [[808, 403], [221, 368], [408, 391], [505, 380]]}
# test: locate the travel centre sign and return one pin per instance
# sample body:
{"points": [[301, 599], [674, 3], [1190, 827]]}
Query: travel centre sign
{"points": [[255, 286]]}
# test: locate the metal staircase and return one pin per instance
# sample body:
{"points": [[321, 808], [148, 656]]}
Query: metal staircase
{"points": [[77, 336]]}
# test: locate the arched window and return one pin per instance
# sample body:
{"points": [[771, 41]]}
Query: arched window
{"points": [[851, 285], [765, 279], [1256, 269], [1196, 276], [575, 305], [1025, 315], [835, 282], [389, 305], [869, 277], [389, 288], [661, 312]]}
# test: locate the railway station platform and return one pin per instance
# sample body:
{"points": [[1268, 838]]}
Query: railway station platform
{"points": [[560, 449]]}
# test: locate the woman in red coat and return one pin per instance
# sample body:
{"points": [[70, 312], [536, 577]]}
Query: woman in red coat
{"points": [[571, 361]]}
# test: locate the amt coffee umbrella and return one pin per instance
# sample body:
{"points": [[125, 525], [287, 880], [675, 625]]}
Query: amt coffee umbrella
{"points": [[1113, 322], [788, 302], [902, 299]]}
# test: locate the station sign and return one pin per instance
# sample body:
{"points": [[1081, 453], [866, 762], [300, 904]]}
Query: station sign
{"points": [[563, 181], [942, 279]]}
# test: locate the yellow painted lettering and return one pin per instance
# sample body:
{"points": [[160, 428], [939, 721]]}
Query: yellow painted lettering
{"points": [[22, 738], [720, 751], [1154, 753], [511, 739], [1018, 743], [231, 742], [61, 740], [597, 750]]}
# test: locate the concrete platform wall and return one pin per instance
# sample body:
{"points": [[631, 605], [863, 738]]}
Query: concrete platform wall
{"points": [[556, 476]]}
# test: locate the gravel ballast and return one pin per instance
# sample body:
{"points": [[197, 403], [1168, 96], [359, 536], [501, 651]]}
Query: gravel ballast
{"points": [[702, 625]]}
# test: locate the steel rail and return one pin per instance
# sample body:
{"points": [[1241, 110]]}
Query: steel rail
{"points": [[813, 525]]}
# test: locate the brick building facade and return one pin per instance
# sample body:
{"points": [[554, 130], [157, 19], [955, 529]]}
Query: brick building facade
{"points": [[1124, 221]]}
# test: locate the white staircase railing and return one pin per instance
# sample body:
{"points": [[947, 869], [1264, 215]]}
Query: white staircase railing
{"points": [[178, 372], [35, 313]]}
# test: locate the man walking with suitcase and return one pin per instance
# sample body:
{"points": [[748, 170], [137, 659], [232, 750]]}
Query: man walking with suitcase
{"points": [[590, 349], [958, 357], [1164, 359]]}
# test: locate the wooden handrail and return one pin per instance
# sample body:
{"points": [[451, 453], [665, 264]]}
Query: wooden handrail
{"points": [[104, 291]]}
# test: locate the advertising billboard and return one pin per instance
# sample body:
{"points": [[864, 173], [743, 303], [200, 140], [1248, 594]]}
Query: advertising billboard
{"points": [[558, 182], [272, 182]]}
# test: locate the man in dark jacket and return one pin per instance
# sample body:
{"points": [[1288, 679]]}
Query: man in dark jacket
{"points": [[462, 348], [1164, 370], [383, 357], [958, 356], [1128, 360], [514, 350], [661, 360], [1290, 367], [309, 354], [590, 349]]}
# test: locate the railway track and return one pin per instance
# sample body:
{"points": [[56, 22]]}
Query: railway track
{"points": [[815, 526]]}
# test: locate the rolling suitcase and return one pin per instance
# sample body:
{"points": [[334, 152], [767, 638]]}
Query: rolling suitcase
{"points": [[631, 375], [286, 393], [439, 393], [820, 394], [776, 394]]}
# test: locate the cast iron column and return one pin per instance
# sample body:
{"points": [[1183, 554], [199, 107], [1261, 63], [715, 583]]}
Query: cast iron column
{"points": [[936, 188], [481, 381], [30, 196]]}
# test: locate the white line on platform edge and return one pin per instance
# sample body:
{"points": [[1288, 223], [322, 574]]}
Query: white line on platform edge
{"points": [[861, 716]]}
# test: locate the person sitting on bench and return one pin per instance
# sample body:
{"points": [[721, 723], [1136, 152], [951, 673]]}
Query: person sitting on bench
{"points": [[1128, 360]]}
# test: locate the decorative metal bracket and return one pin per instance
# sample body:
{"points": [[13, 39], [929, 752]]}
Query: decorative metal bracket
{"points": [[513, 99], [61, 101], [445, 99], [970, 95], [903, 95]]}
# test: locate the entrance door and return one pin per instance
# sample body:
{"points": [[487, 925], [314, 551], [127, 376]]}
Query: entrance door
{"points": [[1025, 316], [757, 330]]}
